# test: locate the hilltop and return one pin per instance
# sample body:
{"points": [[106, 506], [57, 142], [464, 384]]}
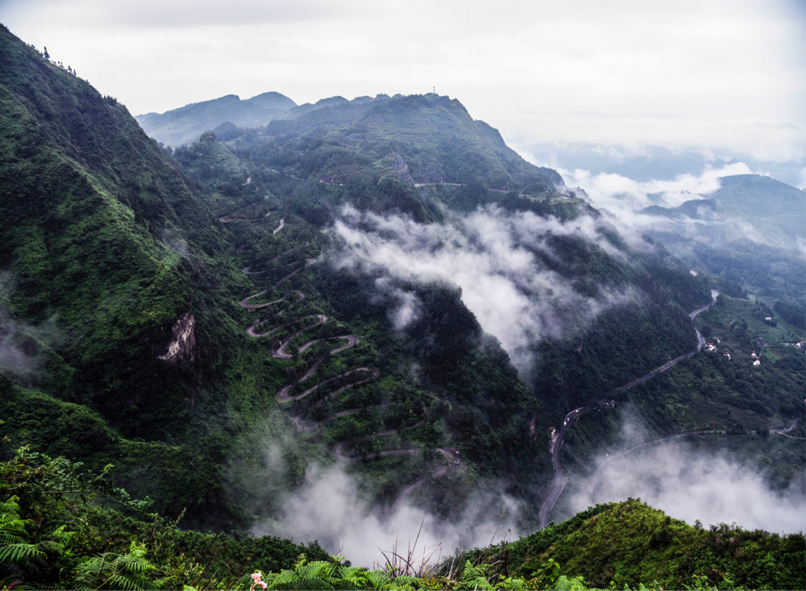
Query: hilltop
{"points": [[182, 126]]}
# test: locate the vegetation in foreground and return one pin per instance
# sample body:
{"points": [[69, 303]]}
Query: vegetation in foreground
{"points": [[62, 527]]}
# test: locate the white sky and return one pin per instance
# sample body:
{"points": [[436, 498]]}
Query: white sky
{"points": [[707, 74]]}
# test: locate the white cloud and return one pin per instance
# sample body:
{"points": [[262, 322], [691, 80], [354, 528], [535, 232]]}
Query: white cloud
{"points": [[614, 192], [330, 508], [705, 74], [690, 486], [490, 255]]}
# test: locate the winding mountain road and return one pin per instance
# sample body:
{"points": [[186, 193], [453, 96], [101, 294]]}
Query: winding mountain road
{"points": [[284, 395], [558, 482]]}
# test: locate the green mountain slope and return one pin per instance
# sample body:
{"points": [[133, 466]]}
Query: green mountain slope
{"points": [[619, 545], [183, 125], [91, 228], [97, 232], [630, 543], [749, 230], [761, 196], [416, 139], [109, 242]]}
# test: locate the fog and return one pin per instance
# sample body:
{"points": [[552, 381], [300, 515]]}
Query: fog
{"points": [[621, 199], [330, 508], [691, 486], [20, 342], [617, 193], [489, 254]]}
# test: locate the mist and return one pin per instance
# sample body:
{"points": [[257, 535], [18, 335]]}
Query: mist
{"points": [[616, 192], [21, 342], [490, 255], [329, 507], [689, 484]]}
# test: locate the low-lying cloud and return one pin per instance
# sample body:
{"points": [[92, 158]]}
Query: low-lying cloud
{"points": [[615, 192], [20, 342], [688, 484], [490, 255], [621, 199], [330, 508]]}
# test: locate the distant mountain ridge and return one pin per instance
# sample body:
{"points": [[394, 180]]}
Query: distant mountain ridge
{"points": [[761, 196], [775, 211], [184, 125]]}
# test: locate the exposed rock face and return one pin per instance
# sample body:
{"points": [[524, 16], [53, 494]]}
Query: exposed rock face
{"points": [[183, 347], [401, 169]]}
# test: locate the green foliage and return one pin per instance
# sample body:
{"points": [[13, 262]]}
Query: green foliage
{"points": [[64, 526], [630, 543], [109, 238], [793, 312], [112, 571]]}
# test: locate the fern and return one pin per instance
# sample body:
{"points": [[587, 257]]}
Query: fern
{"points": [[111, 571], [17, 553]]}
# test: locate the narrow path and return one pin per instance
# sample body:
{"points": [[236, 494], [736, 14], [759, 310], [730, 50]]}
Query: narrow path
{"points": [[558, 483], [280, 353], [230, 218], [374, 373], [283, 396], [788, 429], [351, 411], [252, 329]]}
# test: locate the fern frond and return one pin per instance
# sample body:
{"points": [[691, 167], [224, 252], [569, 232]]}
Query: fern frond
{"points": [[282, 580], [378, 579], [10, 538], [311, 584], [137, 565], [318, 569], [353, 577], [10, 506], [128, 583], [18, 552], [51, 547]]}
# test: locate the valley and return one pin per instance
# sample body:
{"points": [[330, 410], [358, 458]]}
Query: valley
{"points": [[199, 342]]}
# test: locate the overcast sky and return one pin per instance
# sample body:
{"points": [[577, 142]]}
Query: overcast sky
{"points": [[707, 74]]}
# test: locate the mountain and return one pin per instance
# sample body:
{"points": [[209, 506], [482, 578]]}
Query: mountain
{"points": [[183, 125], [760, 196], [378, 293], [632, 544], [750, 229], [624, 545], [104, 251], [711, 222], [777, 203], [418, 139], [776, 211]]}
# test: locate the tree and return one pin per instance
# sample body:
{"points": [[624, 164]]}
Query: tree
{"points": [[46, 54]]}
